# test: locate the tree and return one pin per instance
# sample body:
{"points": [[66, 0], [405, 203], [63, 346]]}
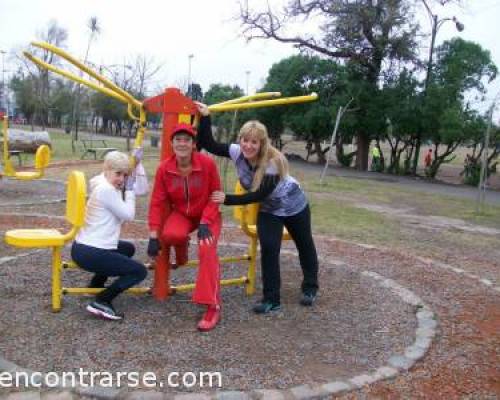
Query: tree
{"points": [[297, 76], [40, 79], [461, 69], [364, 32], [224, 122]]}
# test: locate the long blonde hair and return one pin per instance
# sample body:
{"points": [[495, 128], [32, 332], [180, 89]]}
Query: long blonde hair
{"points": [[267, 152]]}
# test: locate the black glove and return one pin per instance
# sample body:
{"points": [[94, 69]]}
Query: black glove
{"points": [[153, 247], [204, 233]]}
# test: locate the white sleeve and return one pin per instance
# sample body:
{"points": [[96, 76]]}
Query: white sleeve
{"points": [[234, 151], [111, 199]]}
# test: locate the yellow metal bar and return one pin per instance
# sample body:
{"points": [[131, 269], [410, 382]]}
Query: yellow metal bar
{"points": [[94, 291], [7, 163], [263, 103], [110, 85], [256, 96], [223, 282], [75, 78], [194, 263], [56, 279], [250, 286]]}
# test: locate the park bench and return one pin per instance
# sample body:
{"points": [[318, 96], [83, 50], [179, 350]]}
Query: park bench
{"points": [[97, 147], [18, 154]]}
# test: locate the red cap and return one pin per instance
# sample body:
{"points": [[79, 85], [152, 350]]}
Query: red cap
{"points": [[184, 128]]}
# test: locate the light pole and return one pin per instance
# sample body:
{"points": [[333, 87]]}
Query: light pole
{"points": [[436, 24], [4, 93], [481, 194], [190, 57], [248, 79]]}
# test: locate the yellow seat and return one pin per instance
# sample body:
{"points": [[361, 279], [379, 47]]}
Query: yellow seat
{"points": [[34, 238], [246, 215], [42, 159], [76, 193]]}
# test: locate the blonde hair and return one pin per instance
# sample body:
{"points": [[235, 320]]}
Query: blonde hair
{"points": [[116, 161], [267, 152]]}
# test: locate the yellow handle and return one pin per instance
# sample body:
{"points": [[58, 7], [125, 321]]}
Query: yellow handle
{"points": [[263, 103]]}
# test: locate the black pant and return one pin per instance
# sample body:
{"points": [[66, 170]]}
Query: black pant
{"points": [[105, 263], [270, 231]]}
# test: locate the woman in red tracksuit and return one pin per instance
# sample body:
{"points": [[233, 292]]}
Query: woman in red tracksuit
{"points": [[183, 185]]}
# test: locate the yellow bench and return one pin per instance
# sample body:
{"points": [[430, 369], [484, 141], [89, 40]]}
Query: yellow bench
{"points": [[52, 238], [42, 159]]}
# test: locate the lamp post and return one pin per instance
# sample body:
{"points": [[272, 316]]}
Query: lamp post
{"points": [[190, 57], [248, 79], [436, 24], [481, 194], [4, 93]]}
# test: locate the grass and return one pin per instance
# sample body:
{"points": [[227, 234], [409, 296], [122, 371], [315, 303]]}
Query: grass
{"points": [[333, 204]]}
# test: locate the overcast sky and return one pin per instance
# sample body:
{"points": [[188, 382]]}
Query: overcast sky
{"points": [[171, 30]]}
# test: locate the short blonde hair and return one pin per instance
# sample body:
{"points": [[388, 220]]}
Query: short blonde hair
{"points": [[116, 161]]}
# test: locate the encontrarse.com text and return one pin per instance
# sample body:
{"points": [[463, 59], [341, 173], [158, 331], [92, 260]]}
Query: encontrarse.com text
{"points": [[109, 379]]}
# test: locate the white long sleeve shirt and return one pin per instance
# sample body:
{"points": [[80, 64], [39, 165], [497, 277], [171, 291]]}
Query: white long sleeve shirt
{"points": [[106, 211]]}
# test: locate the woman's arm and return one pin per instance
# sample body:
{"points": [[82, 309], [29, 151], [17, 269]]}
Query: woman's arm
{"points": [[112, 200], [268, 184], [205, 139]]}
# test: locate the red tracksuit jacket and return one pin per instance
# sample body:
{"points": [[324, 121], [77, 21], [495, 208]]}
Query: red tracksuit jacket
{"points": [[188, 195]]}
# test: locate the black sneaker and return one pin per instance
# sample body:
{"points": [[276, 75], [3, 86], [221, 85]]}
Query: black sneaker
{"points": [[308, 299], [265, 307], [104, 310]]}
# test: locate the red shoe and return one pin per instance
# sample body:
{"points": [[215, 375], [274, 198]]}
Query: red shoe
{"points": [[210, 319]]}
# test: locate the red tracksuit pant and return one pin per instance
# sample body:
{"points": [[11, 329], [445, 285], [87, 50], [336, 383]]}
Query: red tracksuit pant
{"points": [[175, 233]]}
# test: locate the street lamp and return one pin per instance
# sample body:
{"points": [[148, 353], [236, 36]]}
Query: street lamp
{"points": [[190, 57], [481, 194], [3, 80], [436, 24]]}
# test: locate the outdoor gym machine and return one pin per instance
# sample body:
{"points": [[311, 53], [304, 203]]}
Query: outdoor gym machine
{"points": [[175, 108]]}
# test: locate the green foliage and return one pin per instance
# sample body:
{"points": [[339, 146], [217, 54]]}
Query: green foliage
{"points": [[297, 76], [218, 93]]}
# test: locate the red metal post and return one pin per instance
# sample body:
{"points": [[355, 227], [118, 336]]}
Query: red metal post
{"points": [[175, 108]]}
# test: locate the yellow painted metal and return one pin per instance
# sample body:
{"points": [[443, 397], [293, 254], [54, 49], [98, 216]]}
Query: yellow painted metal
{"points": [[222, 260], [106, 87], [107, 83], [263, 103], [224, 282], [250, 284], [256, 96], [76, 78], [7, 164], [56, 278], [94, 291], [76, 193], [42, 158]]}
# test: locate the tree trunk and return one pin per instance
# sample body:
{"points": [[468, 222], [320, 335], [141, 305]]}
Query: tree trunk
{"points": [[320, 154], [27, 141], [363, 148]]}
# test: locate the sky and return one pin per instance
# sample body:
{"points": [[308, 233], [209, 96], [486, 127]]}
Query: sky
{"points": [[171, 30]]}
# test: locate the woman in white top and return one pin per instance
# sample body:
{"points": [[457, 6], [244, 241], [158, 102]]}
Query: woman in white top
{"points": [[97, 247]]}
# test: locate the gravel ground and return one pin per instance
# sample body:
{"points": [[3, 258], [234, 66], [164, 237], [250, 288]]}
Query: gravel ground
{"points": [[355, 327]]}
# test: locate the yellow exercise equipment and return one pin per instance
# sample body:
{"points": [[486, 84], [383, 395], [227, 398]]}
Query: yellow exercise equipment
{"points": [[246, 215], [51, 238], [42, 159], [176, 108]]}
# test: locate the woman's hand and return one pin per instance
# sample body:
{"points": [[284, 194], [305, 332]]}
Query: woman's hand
{"points": [[218, 197], [202, 108]]}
